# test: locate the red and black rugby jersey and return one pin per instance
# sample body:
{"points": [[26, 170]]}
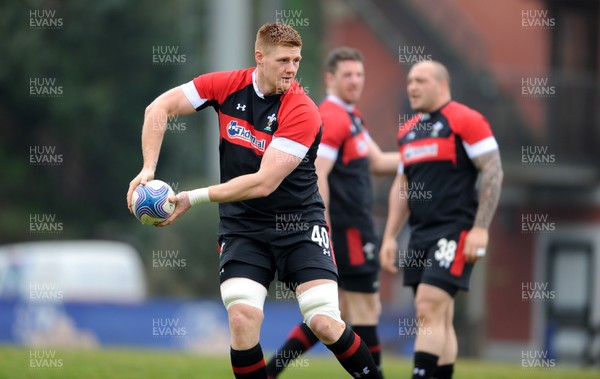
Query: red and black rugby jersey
{"points": [[250, 122], [345, 142], [435, 154]]}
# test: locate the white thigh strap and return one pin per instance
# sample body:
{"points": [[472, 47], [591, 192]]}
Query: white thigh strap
{"points": [[320, 300], [243, 291]]}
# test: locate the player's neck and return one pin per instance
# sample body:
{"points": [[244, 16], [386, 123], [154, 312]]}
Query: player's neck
{"points": [[263, 84], [441, 104]]}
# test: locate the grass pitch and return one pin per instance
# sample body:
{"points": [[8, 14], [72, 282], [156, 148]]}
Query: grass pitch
{"points": [[19, 363]]}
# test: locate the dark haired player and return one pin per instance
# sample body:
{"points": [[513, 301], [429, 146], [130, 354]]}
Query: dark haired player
{"points": [[345, 158], [442, 151], [267, 126]]}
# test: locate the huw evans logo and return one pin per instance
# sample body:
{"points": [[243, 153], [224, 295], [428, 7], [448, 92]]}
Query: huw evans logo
{"points": [[44, 19], [537, 87], [45, 291], [44, 156], [168, 123], [291, 17], [537, 155], [415, 191], [290, 222], [411, 54], [536, 291], [414, 259], [537, 19], [537, 359], [44, 359], [44, 223], [168, 259], [536, 223], [45, 87], [167, 55], [411, 327], [285, 291], [168, 327], [287, 358]]}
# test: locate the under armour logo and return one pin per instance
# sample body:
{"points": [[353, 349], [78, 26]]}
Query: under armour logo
{"points": [[241, 107], [326, 252], [364, 371], [222, 271], [419, 371]]}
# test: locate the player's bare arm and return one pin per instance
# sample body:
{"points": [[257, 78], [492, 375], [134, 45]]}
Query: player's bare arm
{"points": [[274, 167], [382, 163], [490, 185], [171, 103], [324, 167], [489, 188], [397, 215]]}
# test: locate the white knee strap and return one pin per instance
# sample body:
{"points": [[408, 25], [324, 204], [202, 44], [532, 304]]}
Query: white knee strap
{"points": [[320, 300], [243, 291]]}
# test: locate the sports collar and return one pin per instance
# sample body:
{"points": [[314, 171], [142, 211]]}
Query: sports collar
{"points": [[341, 103], [256, 89]]}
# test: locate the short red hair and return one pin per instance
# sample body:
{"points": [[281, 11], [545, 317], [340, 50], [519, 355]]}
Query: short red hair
{"points": [[277, 34]]}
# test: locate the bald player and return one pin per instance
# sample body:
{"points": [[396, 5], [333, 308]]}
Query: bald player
{"points": [[443, 150]]}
